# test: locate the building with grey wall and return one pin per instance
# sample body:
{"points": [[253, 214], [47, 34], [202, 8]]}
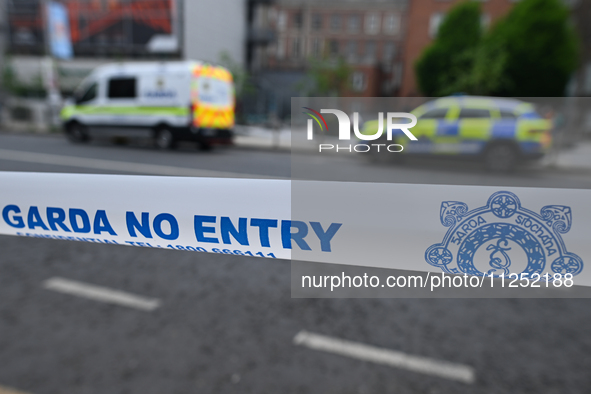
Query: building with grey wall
{"points": [[212, 27], [3, 31]]}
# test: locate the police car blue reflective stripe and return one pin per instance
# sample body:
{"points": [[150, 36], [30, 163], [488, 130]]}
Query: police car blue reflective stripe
{"points": [[447, 128], [503, 129]]}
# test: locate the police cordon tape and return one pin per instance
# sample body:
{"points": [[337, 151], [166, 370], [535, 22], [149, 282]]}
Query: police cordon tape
{"points": [[437, 228]]}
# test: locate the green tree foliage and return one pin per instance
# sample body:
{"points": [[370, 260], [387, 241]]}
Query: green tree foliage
{"points": [[487, 75], [540, 46], [327, 77], [530, 52], [451, 56], [242, 80], [11, 84]]}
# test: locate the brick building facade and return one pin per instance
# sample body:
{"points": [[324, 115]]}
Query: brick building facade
{"points": [[368, 34], [380, 39], [424, 18]]}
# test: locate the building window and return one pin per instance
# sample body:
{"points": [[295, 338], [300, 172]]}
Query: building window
{"points": [[298, 20], [352, 50], [372, 23], [317, 21], [316, 47], [389, 51], [392, 24], [335, 22], [280, 48], [397, 80], [333, 47], [434, 23], [271, 50], [370, 51], [281, 19], [272, 14], [358, 81], [354, 23], [485, 21], [296, 47]]}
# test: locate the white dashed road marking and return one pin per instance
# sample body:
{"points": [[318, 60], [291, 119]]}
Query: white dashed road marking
{"points": [[103, 294], [392, 358]]}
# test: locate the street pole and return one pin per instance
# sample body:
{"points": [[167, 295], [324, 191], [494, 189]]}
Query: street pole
{"points": [[48, 66]]}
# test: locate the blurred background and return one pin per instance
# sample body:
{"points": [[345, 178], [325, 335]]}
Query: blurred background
{"points": [[282, 49], [228, 323]]}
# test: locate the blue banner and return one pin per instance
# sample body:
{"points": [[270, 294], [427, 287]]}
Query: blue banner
{"points": [[60, 43]]}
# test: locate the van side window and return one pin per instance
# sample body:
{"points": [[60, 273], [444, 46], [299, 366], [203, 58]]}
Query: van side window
{"points": [[121, 88], [90, 94]]}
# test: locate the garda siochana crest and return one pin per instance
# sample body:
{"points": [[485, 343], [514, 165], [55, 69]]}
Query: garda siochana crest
{"points": [[503, 238]]}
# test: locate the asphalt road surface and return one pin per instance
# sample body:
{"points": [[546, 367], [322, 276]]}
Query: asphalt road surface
{"points": [[227, 324]]}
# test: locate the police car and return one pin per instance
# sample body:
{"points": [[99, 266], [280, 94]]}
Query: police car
{"points": [[501, 131]]}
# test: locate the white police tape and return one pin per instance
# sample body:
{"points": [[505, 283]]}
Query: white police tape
{"points": [[439, 228]]}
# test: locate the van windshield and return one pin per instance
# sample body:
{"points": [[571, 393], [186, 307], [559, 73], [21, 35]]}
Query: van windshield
{"points": [[214, 91], [84, 86]]}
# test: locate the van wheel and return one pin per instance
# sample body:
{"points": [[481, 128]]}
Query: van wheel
{"points": [[501, 158], [164, 139], [77, 133]]}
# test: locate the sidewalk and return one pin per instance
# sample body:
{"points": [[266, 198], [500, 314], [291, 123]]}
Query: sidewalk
{"points": [[577, 158], [261, 137]]}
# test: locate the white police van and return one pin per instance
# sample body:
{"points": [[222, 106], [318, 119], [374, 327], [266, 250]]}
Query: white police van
{"points": [[166, 101]]}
